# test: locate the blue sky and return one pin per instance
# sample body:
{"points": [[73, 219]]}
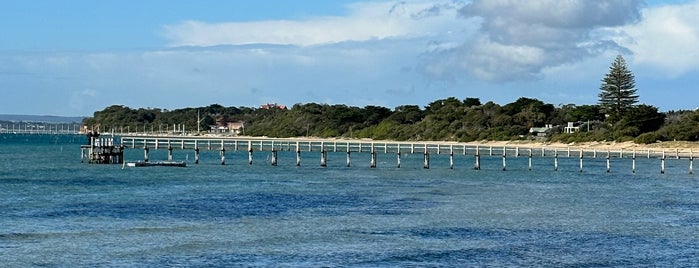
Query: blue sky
{"points": [[75, 57]]}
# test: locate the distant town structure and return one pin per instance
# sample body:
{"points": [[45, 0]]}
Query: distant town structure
{"points": [[268, 106], [232, 127], [571, 128], [540, 131]]}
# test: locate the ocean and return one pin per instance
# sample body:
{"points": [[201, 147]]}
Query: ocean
{"points": [[58, 212]]}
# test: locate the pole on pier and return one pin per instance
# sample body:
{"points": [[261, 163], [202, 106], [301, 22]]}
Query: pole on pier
{"points": [[517, 151], [581, 160], [223, 155], [169, 153], [323, 158], [633, 162], [608, 162], [298, 154], [249, 152], [196, 155], [504, 159], [490, 150], [530, 158], [426, 160], [662, 163], [274, 157], [372, 163], [691, 163], [451, 160], [82, 154], [348, 157], [145, 153], [477, 166], [398, 159], [555, 160]]}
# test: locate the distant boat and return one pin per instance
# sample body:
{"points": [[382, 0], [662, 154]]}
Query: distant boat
{"points": [[157, 163]]}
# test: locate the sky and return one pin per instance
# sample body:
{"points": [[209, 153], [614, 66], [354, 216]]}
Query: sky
{"points": [[75, 57]]}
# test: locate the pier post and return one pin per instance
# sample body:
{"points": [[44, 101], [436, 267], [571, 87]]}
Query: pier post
{"points": [[426, 160], [691, 163], [594, 153], [249, 152], [196, 155], [477, 166], [82, 154], [662, 163], [581, 160], [274, 156], [555, 160], [451, 160], [531, 154], [223, 155], [372, 162], [517, 151], [169, 153], [504, 159], [298, 154], [568, 152], [323, 158], [348, 157], [633, 162], [398, 157], [490, 150], [145, 153], [608, 164]]}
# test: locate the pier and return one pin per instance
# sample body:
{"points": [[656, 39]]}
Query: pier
{"points": [[102, 151], [396, 148]]}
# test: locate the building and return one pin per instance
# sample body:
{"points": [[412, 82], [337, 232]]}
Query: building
{"points": [[571, 128], [540, 131], [273, 105], [233, 127]]}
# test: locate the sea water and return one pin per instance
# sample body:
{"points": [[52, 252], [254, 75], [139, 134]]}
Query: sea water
{"points": [[56, 211]]}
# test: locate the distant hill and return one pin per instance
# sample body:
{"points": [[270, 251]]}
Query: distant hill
{"points": [[40, 118]]}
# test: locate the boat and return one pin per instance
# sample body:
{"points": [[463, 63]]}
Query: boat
{"points": [[157, 163]]}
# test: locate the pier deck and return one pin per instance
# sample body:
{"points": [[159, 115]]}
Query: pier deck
{"points": [[298, 145]]}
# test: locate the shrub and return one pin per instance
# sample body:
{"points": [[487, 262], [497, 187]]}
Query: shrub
{"points": [[647, 138]]}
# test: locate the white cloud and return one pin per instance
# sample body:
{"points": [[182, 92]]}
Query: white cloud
{"points": [[666, 39], [365, 21], [517, 40]]}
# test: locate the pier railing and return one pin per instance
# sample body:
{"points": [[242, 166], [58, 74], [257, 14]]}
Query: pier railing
{"points": [[299, 145]]}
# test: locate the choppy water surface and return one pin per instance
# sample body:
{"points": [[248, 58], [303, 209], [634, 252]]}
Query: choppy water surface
{"points": [[56, 211]]}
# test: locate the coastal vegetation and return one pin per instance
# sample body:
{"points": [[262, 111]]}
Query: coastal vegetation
{"points": [[617, 117]]}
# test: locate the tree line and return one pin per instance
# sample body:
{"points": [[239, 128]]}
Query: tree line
{"points": [[617, 117]]}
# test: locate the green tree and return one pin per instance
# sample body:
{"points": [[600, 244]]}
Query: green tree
{"points": [[618, 90]]}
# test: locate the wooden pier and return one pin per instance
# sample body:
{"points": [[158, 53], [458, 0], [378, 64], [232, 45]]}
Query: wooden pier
{"points": [[102, 151], [321, 146]]}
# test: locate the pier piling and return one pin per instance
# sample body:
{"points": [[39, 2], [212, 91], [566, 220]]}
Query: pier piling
{"points": [[323, 158], [274, 157], [426, 160], [196, 155]]}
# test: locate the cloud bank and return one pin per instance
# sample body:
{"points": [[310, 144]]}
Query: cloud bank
{"points": [[380, 53]]}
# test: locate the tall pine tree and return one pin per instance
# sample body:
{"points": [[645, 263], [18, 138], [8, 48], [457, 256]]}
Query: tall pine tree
{"points": [[618, 91]]}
